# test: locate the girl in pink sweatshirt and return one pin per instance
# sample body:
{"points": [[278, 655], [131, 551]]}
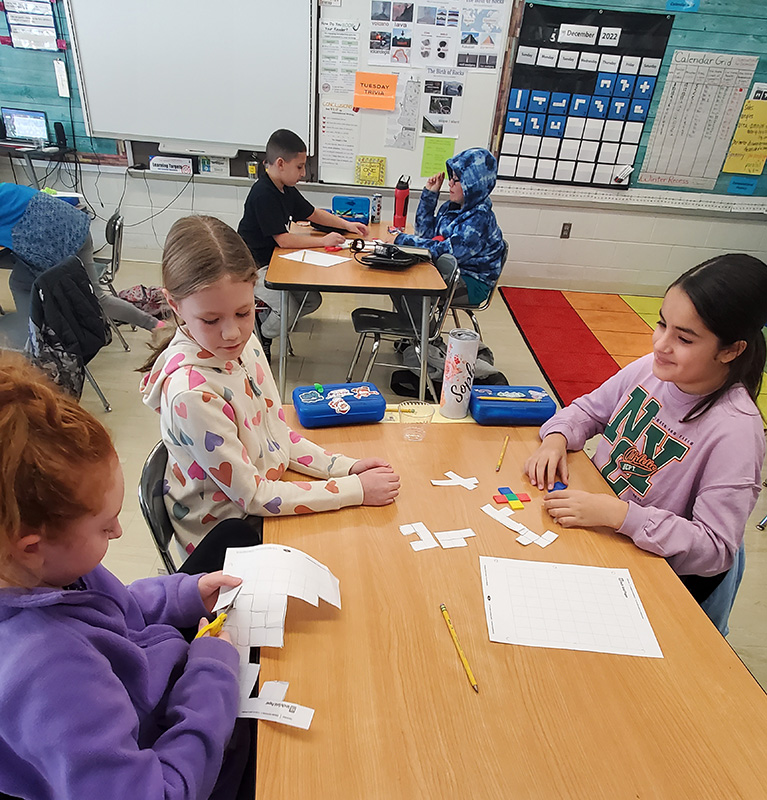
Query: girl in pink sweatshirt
{"points": [[682, 439]]}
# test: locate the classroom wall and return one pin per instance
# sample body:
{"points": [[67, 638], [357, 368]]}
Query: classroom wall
{"points": [[609, 249]]}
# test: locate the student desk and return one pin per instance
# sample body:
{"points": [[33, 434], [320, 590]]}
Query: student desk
{"points": [[28, 153], [395, 715], [422, 279]]}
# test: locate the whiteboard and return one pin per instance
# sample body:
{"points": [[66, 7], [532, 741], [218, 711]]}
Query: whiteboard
{"points": [[479, 100], [227, 72]]}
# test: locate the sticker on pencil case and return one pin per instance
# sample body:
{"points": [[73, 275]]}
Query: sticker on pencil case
{"points": [[531, 394], [339, 405], [363, 391], [338, 393], [311, 397]]}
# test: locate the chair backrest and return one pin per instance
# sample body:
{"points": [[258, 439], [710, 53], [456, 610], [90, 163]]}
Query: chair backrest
{"points": [[447, 264], [151, 498], [486, 302], [114, 236]]}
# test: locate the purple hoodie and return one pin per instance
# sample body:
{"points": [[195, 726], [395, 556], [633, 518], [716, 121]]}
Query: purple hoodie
{"points": [[690, 486], [101, 696]]}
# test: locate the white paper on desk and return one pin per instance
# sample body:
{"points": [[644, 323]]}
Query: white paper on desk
{"points": [[565, 606], [316, 257], [283, 712], [270, 573]]}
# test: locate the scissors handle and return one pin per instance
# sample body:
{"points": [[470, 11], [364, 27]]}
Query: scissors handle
{"points": [[213, 628]]}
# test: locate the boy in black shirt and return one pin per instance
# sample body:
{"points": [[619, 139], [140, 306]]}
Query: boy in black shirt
{"points": [[272, 203]]}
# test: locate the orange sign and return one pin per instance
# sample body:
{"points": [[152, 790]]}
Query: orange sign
{"points": [[375, 90]]}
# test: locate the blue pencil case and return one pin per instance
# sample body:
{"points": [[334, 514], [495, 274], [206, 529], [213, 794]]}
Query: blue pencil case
{"points": [[354, 209], [321, 406], [511, 405]]}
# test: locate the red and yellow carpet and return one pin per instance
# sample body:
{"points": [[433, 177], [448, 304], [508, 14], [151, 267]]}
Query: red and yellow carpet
{"points": [[580, 339]]}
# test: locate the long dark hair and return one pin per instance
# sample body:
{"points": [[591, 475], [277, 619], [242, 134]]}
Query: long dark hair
{"points": [[729, 293]]}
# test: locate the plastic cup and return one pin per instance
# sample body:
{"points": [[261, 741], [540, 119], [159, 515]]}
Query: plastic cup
{"points": [[415, 416]]}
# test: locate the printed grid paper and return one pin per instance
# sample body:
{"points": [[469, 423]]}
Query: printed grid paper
{"points": [[457, 480], [270, 573], [565, 606]]}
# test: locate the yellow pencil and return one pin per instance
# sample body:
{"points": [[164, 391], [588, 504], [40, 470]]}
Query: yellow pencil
{"points": [[503, 453], [467, 668]]}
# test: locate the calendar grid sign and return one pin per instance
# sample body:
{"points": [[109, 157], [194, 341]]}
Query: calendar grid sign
{"points": [[581, 89]]}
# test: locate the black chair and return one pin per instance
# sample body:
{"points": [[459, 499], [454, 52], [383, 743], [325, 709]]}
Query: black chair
{"points": [[108, 266], [469, 308], [395, 326], [151, 500]]}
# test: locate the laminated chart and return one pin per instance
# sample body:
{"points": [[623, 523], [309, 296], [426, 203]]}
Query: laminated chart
{"points": [[565, 606], [580, 93], [270, 573]]}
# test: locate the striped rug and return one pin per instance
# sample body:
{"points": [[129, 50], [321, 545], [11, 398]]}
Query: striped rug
{"points": [[580, 339]]}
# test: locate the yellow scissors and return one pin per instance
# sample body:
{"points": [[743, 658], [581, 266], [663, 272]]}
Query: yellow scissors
{"points": [[214, 628]]}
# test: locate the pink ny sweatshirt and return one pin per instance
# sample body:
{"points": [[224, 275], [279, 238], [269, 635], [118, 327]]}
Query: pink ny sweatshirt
{"points": [[690, 486]]}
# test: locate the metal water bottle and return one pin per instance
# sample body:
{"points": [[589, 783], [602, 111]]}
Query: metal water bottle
{"points": [[401, 197], [375, 208]]}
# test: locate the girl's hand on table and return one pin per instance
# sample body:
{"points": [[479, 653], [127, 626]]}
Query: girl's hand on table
{"points": [[380, 485], [548, 463], [365, 464], [573, 508]]}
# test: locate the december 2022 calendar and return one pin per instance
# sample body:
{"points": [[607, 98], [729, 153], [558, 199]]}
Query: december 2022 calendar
{"points": [[581, 89]]}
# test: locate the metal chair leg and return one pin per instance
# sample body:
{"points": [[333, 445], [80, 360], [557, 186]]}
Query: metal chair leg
{"points": [[455, 317], [356, 356], [373, 354], [298, 313], [125, 344], [475, 323], [97, 389]]}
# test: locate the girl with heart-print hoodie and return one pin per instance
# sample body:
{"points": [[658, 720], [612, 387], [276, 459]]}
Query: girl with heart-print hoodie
{"points": [[221, 417]]}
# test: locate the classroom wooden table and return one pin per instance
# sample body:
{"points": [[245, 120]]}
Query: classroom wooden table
{"points": [[422, 279], [395, 715]]}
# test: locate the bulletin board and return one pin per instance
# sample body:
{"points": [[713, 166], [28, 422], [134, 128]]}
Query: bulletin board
{"points": [[446, 57], [713, 71]]}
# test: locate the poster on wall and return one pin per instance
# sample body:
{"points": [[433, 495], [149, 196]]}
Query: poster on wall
{"points": [[442, 101], [465, 33], [698, 111], [580, 93], [31, 24], [339, 55]]}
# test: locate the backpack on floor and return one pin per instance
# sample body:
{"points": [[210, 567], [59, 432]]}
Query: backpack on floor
{"points": [[148, 299]]}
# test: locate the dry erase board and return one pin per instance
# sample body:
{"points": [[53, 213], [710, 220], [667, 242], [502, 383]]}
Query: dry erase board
{"points": [[195, 71]]}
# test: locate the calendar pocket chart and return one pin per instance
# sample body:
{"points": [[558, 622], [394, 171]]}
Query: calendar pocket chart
{"points": [[580, 95]]}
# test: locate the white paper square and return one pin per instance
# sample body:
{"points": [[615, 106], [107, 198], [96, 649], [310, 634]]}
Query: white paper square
{"points": [[574, 127], [632, 132], [530, 146], [627, 154], [603, 173], [569, 149], [593, 129], [588, 151], [583, 172], [612, 130], [511, 143], [507, 166], [526, 168], [608, 153], [549, 147], [564, 170], [545, 170]]}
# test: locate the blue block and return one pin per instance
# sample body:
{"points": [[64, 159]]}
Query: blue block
{"points": [[539, 101], [518, 99], [535, 124], [643, 88], [558, 486], [579, 105], [515, 123], [559, 102], [619, 107], [624, 86], [555, 126], [598, 107], [605, 84], [638, 110]]}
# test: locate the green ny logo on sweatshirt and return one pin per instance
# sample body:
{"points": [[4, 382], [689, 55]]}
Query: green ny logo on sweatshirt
{"points": [[636, 467]]}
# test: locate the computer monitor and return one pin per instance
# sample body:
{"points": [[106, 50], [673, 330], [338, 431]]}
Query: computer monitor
{"points": [[25, 125]]}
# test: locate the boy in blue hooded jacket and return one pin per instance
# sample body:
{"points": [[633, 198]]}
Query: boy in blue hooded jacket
{"points": [[465, 225]]}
